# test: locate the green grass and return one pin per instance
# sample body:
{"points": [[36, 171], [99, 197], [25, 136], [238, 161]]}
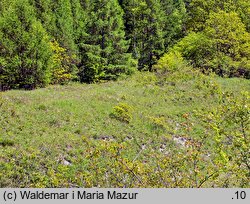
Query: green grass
{"points": [[64, 136]]}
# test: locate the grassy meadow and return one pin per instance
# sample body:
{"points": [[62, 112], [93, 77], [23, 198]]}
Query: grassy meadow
{"points": [[182, 130]]}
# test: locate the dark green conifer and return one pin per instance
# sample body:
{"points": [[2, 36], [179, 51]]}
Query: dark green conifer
{"points": [[105, 51], [144, 20], [174, 19], [25, 54], [64, 21]]}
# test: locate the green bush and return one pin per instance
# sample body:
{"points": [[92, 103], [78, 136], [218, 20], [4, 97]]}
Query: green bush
{"points": [[122, 112], [196, 48], [169, 63], [222, 47], [228, 127], [62, 71], [231, 43]]}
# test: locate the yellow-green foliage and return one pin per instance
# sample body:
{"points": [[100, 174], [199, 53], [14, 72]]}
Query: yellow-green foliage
{"points": [[170, 62], [208, 84], [172, 68], [222, 47], [228, 126], [61, 73], [231, 44], [145, 79], [122, 112], [158, 122]]}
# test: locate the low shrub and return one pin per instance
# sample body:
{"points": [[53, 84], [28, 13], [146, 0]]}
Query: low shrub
{"points": [[122, 112]]}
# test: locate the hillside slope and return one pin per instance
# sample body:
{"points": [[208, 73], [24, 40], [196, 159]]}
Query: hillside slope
{"points": [[188, 130]]}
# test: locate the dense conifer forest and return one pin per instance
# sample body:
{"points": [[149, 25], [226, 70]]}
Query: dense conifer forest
{"points": [[49, 42], [125, 93]]}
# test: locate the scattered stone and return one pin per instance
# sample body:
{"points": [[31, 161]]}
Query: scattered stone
{"points": [[107, 138], [180, 140], [63, 161], [186, 142], [143, 146], [66, 163], [129, 138], [162, 148]]}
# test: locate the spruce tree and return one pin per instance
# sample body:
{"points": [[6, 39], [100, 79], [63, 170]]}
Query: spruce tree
{"points": [[62, 19], [105, 50], [64, 32], [79, 26], [144, 20], [45, 14], [79, 21], [174, 19], [25, 54]]}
